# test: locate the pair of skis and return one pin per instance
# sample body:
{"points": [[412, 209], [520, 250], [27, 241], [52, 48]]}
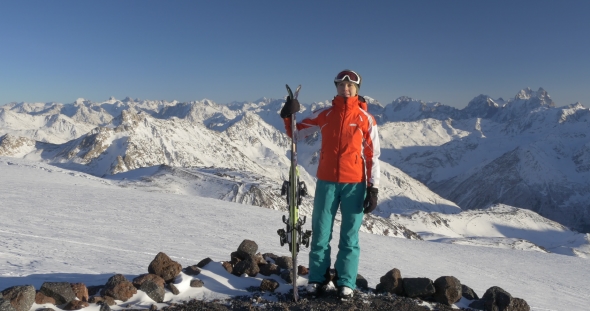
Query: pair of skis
{"points": [[293, 234]]}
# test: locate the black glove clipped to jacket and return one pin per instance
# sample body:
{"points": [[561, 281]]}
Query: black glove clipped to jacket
{"points": [[370, 200], [291, 106]]}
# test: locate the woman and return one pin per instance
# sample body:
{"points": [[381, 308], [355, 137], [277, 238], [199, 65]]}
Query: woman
{"points": [[348, 177]]}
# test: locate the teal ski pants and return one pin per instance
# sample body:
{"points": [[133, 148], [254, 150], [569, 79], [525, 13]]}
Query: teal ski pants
{"points": [[328, 197]]}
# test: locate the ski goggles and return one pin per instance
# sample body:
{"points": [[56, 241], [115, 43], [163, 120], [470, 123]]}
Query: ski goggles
{"points": [[348, 74]]}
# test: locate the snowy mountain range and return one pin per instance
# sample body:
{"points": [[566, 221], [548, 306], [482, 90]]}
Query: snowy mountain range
{"points": [[438, 162]]}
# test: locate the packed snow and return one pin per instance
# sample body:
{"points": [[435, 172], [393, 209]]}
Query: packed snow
{"points": [[61, 225]]}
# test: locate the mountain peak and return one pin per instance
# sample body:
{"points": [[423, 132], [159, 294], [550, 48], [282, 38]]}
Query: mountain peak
{"points": [[528, 93]]}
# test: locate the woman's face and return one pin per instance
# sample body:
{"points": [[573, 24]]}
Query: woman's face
{"points": [[346, 89]]}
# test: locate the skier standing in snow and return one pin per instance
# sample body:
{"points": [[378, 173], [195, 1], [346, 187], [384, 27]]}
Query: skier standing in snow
{"points": [[348, 177]]}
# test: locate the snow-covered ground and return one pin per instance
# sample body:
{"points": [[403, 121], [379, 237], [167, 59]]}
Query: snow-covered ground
{"points": [[60, 225]]}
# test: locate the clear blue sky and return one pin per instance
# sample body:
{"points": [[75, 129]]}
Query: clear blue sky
{"points": [[446, 51]]}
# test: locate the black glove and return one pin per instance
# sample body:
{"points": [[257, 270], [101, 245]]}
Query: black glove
{"points": [[370, 200], [291, 106]]}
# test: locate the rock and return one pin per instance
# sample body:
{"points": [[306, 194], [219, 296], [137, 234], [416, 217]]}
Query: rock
{"points": [[361, 282], [391, 282], [247, 249], [477, 305], [301, 270], [102, 300], [197, 283], [138, 281], [119, 288], [285, 262], [287, 275], [153, 308], [60, 291], [270, 269], [80, 291], [94, 289], [269, 285], [235, 258], [496, 299], [468, 293], [204, 262], [418, 287], [447, 290], [192, 270], [165, 267], [153, 290], [105, 307], [20, 297], [228, 267], [5, 305], [246, 266], [109, 301], [518, 304], [270, 257], [76, 305], [259, 260], [173, 288], [41, 299]]}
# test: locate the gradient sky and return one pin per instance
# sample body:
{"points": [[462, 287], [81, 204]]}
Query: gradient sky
{"points": [[445, 51]]}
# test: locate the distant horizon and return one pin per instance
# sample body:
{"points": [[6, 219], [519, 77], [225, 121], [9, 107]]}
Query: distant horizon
{"points": [[557, 104]]}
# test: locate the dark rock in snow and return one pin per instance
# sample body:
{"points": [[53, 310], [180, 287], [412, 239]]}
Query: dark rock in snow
{"points": [[5, 305], [418, 287], [468, 292], [518, 304], [80, 290], [119, 288], [153, 290], [270, 257], [192, 270], [269, 285], [391, 282], [76, 305], [302, 270], [165, 267], [235, 258], [287, 275], [448, 290], [20, 297], [361, 282], [228, 266], [138, 281], [247, 249], [285, 262], [269, 269], [105, 307], [41, 299], [204, 262], [197, 283], [173, 289], [60, 291], [259, 259], [246, 266], [497, 299], [94, 289]]}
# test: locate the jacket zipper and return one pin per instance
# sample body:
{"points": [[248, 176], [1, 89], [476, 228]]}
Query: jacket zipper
{"points": [[340, 140]]}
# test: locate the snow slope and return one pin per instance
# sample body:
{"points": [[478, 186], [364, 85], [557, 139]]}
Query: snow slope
{"points": [[60, 225]]}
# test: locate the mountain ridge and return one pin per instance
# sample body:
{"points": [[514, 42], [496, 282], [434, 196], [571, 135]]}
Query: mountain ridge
{"points": [[445, 148]]}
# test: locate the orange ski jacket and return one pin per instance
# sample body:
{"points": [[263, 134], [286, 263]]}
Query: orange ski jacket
{"points": [[350, 141]]}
